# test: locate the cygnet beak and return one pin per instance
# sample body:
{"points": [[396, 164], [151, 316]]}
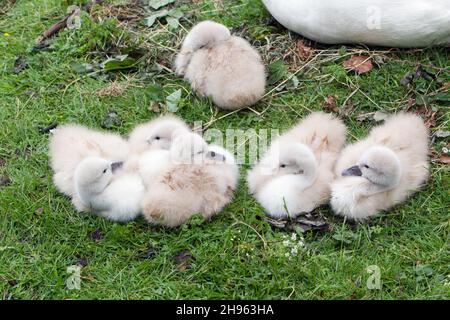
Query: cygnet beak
{"points": [[116, 165], [352, 171]]}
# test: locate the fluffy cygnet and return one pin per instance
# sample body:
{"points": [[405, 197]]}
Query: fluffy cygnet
{"points": [[71, 143], [102, 187], [294, 175], [221, 66], [187, 188], [155, 134], [382, 170]]}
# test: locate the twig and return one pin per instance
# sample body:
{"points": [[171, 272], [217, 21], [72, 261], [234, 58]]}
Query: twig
{"points": [[56, 27], [61, 24]]}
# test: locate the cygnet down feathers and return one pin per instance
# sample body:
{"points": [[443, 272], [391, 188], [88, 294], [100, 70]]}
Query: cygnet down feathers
{"points": [[294, 176], [150, 143], [382, 170], [107, 190], [155, 134], [221, 66], [203, 186], [71, 143]]}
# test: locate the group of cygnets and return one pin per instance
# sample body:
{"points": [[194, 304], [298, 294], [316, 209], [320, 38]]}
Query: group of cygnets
{"points": [[163, 170], [308, 166], [167, 172]]}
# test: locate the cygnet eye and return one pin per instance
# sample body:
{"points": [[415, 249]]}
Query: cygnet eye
{"points": [[157, 138], [366, 166], [104, 171], [282, 166], [213, 154]]}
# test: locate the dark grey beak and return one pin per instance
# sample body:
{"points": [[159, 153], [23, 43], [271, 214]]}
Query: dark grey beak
{"points": [[216, 156], [116, 165], [352, 171]]}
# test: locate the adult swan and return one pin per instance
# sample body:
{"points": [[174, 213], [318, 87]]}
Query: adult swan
{"points": [[393, 23]]}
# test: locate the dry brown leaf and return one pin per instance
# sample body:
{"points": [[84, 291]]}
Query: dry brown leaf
{"points": [[304, 52], [428, 115], [154, 106], [444, 159], [358, 64], [331, 104]]}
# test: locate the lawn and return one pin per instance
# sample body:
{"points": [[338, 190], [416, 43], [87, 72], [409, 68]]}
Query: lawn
{"points": [[237, 255]]}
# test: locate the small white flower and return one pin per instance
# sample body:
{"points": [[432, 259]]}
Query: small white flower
{"points": [[286, 243], [294, 237], [294, 251]]}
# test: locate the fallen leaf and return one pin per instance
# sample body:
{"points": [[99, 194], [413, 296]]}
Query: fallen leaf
{"points": [[20, 64], [156, 4], [331, 104], [304, 222], [47, 129], [173, 100], [444, 159], [97, 234], [13, 282], [154, 107], [182, 260], [380, 116], [5, 181], [119, 62], [364, 116], [82, 262], [347, 109], [439, 134], [149, 21], [83, 67], [148, 253], [420, 71], [304, 52], [295, 82], [427, 114], [39, 211], [358, 64], [110, 120], [172, 17]]}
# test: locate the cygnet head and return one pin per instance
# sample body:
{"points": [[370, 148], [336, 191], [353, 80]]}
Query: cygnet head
{"points": [[296, 159], [219, 155], [379, 165], [95, 172], [291, 159], [188, 148], [206, 34], [156, 134]]}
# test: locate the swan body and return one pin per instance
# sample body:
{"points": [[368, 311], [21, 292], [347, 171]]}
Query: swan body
{"points": [[392, 23]]}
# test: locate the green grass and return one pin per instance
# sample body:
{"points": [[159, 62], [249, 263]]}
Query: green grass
{"points": [[41, 234]]}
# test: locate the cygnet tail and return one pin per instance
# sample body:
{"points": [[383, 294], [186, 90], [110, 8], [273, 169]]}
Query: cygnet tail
{"points": [[324, 132]]}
